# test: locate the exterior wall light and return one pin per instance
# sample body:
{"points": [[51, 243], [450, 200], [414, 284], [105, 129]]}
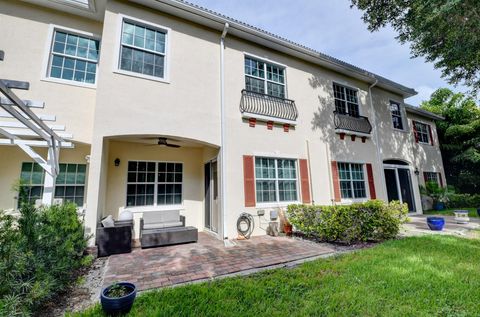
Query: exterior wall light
{"points": [[117, 162], [417, 172]]}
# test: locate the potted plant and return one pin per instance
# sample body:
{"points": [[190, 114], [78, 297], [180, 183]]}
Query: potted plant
{"points": [[284, 223], [478, 212], [118, 298], [438, 194]]}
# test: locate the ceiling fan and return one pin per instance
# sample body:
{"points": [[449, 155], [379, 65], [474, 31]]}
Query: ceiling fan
{"points": [[163, 142]]}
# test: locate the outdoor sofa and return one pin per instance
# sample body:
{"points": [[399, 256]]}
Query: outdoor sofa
{"points": [[165, 227]]}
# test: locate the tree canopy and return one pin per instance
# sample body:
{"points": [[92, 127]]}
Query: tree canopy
{"points": [[459, 136], [445, 32]]}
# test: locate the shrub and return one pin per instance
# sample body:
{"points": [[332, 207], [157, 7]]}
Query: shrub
{"points": [[374, 220], [39, 253], [463, 201]]}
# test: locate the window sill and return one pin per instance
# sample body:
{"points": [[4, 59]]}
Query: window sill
{"points": [[400, 130], [348, 201], [139, 209], [68, 82], [133, 74], [282, 204]]}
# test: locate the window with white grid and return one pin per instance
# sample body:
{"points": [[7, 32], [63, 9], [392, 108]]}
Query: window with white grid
{"points": [[421, 130], [74, 57], [396, 115], [346, 100], [265, 78], [143, 49], [154, 183], [431, 177], [275, 180], [70, 183], [352, 181]]}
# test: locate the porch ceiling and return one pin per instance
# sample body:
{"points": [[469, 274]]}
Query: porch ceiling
{"points": [[153, 140]]}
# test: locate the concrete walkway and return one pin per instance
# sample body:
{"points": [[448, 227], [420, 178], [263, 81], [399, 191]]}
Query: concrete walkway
{"points": [[209, 258], [418, 226]]}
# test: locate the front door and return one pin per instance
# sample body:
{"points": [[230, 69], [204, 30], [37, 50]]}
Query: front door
{"points": [[399, 186], [211, 196]]}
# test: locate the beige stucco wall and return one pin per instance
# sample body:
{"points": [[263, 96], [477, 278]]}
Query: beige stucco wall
{"points": [[12, 158], [25, 30], [188, 107], [193, 159]]}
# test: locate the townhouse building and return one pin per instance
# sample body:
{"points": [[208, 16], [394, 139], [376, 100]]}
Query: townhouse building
{"points": [[161, 104]]}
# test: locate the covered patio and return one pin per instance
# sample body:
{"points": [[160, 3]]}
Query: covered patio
{"points": [[209, 258]]}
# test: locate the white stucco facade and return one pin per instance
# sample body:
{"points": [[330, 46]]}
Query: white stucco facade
{"points": [[120, 116]]}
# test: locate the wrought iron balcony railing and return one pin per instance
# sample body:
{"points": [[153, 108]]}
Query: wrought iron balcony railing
{"points": [[268, 106], [358, 124]]}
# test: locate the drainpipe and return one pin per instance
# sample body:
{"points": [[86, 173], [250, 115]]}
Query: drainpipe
{"points": [[375, 128], [223, 150]]}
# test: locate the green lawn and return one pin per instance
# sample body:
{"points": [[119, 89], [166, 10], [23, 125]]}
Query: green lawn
{"points": [[472, 212], [417, 276]]}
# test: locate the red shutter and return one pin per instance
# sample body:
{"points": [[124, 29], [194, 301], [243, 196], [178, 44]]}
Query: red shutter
{"points": [[415, 133], [336, 181], [440, 179], [249, 181], [431, 135], [304, 181], [371, 182]]}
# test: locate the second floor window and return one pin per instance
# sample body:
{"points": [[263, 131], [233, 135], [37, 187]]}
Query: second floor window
{"points": [[73, 57], [352, 180], [396, 115], [421, 132], [264, 78], [143, 49], [346, 100]]}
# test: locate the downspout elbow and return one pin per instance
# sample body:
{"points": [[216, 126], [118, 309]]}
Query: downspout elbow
{"points": [[225, 30]]}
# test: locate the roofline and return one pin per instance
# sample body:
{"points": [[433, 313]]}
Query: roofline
{"points": [[245, 31], [423, 113]]}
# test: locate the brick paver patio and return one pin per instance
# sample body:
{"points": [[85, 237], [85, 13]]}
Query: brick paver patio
{"points": [[164, 266]]}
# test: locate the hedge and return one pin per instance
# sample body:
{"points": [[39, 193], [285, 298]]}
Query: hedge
{"points": [[39, 254], [463, 201], [374, 220]]}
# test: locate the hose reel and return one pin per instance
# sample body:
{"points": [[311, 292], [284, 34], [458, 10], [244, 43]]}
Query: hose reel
{"points": [[245, 225]]}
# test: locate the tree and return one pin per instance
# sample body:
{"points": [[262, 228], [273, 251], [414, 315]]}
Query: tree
{"points": [[445, 32], [459, 136]]}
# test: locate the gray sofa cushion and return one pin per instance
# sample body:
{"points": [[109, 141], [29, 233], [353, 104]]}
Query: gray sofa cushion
{"points": [[160, 225]]}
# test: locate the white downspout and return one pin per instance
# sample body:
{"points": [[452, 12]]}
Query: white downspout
{"points": [[223, 150], [377, 147]]}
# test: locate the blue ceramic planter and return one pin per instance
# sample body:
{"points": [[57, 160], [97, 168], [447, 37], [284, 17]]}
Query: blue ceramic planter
{"points": [[435, 223], [478, 212], [439, 206], [120, 305]]}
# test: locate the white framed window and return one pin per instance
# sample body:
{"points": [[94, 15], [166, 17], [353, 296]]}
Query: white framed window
{"points": [[143, 49], [397, 118], [352, 180], [73, 57], [421, 132], [264, 77], [32, 176], [346, 100], [275, 180], [69, 185], [154, 183], [431, 177]]}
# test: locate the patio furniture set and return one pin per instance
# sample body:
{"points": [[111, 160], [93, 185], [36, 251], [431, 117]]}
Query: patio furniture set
{"points": [[157, 228]]}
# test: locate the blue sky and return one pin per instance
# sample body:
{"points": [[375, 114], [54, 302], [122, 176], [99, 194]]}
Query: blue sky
{"points": [[330, 26]]}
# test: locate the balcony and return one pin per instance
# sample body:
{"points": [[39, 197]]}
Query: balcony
{"points": [[347, 124], [268, 108]]}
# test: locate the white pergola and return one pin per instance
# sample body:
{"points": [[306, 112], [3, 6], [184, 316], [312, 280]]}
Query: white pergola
{"points": [[20, 126]]}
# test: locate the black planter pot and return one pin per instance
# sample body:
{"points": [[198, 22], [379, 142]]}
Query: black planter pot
{"points": [[478, 212], [120, 305]]}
